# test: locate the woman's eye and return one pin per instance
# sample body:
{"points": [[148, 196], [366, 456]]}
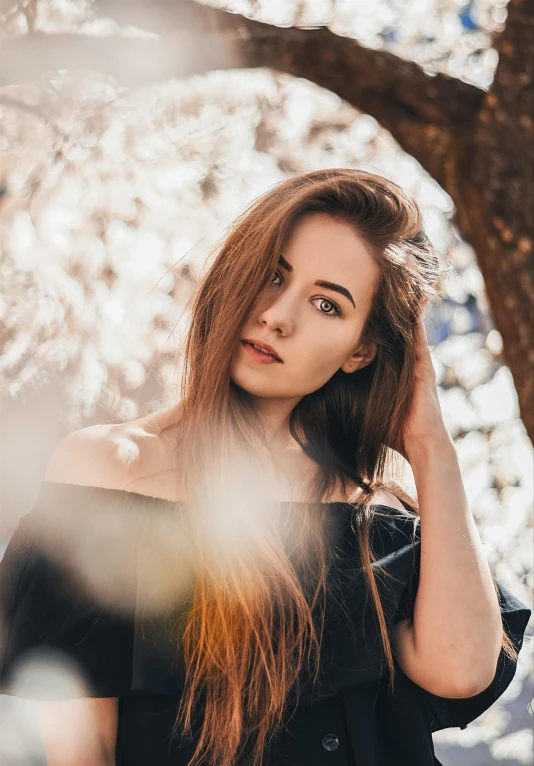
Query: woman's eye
{"points": [[336, 310], [335, 313]]}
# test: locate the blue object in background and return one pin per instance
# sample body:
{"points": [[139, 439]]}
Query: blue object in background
{"points": [[438, 325], [466, 18]]}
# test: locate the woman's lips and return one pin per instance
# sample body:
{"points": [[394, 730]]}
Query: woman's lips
{"points": [[260, 356]]}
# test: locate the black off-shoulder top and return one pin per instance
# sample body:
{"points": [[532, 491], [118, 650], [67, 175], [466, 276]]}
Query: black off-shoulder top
{"points": [[107, 630]]}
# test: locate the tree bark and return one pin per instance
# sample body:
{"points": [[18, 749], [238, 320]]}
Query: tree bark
{"points": [[477, 144], [493, 190]]}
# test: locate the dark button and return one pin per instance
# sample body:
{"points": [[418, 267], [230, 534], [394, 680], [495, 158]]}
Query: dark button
{"points": [[330, 742]]}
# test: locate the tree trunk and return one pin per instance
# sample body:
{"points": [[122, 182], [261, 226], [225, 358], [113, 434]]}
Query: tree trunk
{"points": [[476, 144]]}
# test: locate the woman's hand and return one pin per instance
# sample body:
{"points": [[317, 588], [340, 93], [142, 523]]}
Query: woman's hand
{"points": [[425, 424]]}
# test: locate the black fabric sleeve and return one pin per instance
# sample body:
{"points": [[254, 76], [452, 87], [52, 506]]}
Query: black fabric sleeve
{"points": [[445, 712], [47, 614]]}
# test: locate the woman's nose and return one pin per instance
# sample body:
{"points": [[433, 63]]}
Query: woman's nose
{"points": [[278, 315]]}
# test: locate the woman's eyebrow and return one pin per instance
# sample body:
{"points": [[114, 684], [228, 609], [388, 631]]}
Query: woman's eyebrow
{"points": [[321, 282]]}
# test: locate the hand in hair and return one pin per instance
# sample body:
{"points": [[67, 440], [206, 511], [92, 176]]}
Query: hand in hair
{"points": [[425, 422]]}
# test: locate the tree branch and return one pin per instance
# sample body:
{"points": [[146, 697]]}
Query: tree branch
{"points": [[477, 145], [425, 114], [493, 187]]}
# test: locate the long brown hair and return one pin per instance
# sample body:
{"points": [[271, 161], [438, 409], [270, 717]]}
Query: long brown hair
{"points": [[257, 606]]}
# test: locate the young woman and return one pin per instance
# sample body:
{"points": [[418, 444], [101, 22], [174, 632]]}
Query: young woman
{"points": [[259, 589]]}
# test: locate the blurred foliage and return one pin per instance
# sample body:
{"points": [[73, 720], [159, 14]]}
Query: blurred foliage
{"points": [[113, 199]]}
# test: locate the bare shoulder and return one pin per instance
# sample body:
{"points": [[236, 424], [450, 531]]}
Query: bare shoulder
{"points": [[107, 455], [86, 456]]}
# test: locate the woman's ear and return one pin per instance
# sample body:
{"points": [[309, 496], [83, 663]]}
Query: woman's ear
{"points": [[363, 356]]}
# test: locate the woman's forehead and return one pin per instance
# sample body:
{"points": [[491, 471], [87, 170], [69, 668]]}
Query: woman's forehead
{"points": [[321, 247]]}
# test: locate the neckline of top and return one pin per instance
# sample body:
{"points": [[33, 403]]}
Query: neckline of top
{"points": [[54, 486]]}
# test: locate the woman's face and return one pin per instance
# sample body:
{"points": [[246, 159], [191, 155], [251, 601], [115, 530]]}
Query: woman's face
{"points": [[314, 329]]}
